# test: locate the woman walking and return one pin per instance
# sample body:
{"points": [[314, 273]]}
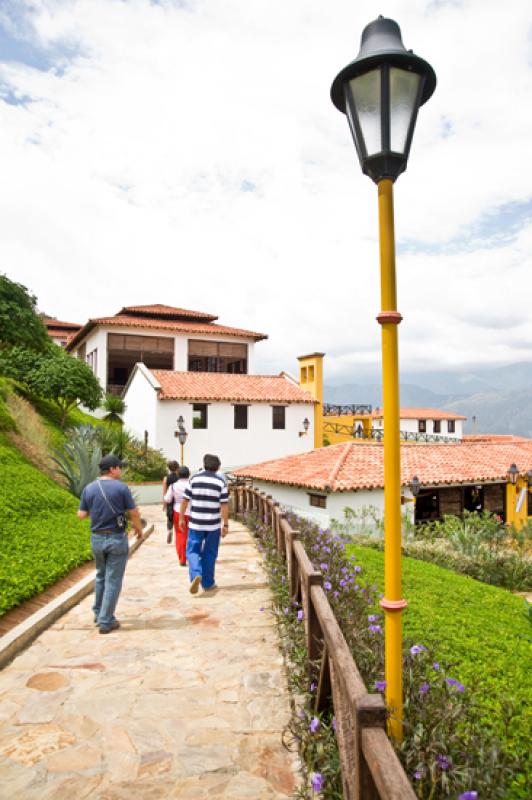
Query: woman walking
{"points": [[168, 508], [174, 496]]}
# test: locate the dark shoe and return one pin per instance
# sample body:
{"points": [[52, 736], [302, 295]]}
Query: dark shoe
{"points": [[194, 586], [169, 537], [212, 588], [113, 627], [182, 563]]}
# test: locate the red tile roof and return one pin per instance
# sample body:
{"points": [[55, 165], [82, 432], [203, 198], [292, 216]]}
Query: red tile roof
{"points": [[220, 386], [356, 465], [164, 323], [420, 413], [159, 310], [57, 324]]}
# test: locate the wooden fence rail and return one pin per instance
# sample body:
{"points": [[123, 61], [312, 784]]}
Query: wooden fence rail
{"points": [[370, 767]]}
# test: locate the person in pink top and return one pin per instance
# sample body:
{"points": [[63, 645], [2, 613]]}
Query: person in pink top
{"points": [[174, 495]]}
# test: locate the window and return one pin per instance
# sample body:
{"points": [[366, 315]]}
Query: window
{"points": [[303, 375], [437, 426], [209, 356], [125, 350], [199, 415], [92, 360], [311, 374], [241, 417], [450, 425], [317, 500], [422, 426], [279, 418]]}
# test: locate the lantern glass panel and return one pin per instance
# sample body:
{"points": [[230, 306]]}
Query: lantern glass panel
{"points": [[403, 94], [366, 93]]}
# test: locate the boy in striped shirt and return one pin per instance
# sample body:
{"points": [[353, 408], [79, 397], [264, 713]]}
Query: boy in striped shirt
{"points": [[207, 499]]}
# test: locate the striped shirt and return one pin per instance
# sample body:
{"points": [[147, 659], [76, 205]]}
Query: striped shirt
{"points": [[206, 492]]}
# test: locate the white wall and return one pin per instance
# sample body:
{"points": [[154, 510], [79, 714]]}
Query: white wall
{"points": [[234, 447], [296, 499], [412, 426], [141, 408]]}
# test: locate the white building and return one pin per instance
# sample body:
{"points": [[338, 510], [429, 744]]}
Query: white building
{"points": [[430, 421], [162, 337], [470, 475], [240, 418]]}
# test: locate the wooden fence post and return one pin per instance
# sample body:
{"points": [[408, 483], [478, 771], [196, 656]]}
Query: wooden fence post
{"points": [[268, 515], [281, 537], [293, 567], [314, 632], [370, 713]]}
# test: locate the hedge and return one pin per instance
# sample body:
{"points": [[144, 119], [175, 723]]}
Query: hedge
{"points": [[41, 539], [483, 631]]}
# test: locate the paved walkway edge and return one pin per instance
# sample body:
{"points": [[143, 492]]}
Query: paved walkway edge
{"points": [[22, 635]]}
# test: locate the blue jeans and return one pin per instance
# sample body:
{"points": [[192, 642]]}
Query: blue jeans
{"points": [[202, 551], [110, 553]]}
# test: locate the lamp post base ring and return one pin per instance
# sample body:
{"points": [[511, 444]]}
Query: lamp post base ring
{"points": [[393, 605]]}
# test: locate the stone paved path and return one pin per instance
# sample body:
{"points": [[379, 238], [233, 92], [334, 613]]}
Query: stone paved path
{"points": [[187, 700]]}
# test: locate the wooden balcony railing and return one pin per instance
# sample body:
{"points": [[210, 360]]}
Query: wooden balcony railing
{"points": [[369, 765]]}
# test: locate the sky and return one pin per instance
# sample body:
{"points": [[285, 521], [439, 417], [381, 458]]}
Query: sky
{"points": [[187, 152]]}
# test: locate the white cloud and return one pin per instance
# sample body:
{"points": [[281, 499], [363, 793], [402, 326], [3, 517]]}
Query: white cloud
{"points": [[122, 178]]}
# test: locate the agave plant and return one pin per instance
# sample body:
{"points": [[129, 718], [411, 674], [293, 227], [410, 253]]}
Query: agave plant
{"points": [[77, 461]]}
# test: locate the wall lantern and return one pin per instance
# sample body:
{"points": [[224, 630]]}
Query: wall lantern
{"points": [[512, 473], [381, 92], [306, 426], [415, 485]]}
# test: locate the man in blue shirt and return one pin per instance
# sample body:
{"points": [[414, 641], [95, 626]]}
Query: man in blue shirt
{"points": [[207, 499], [108, 502]]}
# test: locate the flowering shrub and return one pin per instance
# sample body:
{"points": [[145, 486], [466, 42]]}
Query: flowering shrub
{"points": [[446, 751]]}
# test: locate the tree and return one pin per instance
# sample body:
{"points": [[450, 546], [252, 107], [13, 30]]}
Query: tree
{"points": [[20, 363], [115, 407], [65, 381], [20, 324]]}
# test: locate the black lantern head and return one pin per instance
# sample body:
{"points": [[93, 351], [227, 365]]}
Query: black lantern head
{"points": [[415, 485], [381, 92], [306, 424], [513, 472], [182, 436]]}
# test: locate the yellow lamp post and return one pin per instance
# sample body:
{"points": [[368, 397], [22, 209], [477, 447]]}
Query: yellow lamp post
{"points": [[380, 92]]}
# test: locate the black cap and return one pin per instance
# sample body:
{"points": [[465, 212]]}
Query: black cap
{"points": [[110, 461]]}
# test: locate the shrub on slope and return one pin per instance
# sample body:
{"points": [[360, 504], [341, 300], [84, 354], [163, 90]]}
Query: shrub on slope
{"points": [[41, 539]]}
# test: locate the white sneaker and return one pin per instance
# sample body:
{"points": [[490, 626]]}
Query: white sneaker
{"points": [[194, 586]]}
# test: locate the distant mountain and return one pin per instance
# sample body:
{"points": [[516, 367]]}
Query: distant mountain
{"points": [[500, 398]]}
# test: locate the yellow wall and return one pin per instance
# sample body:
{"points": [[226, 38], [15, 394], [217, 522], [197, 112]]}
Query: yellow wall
{"points": [[347, 421], [311, 380], [518, 518]]}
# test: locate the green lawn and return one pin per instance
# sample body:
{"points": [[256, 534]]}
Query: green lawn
{"points": [[41, 538], [483, 631]]}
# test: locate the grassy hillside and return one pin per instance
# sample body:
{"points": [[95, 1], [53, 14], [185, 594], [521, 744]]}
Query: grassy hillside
{"points": [[41, 538], [482, 631]]}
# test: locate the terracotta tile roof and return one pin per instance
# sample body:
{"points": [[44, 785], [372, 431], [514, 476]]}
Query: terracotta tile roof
{"points": [[356, 465], [159, 310], [57, 324], [221, 386], [165, 324], [420, 413]]}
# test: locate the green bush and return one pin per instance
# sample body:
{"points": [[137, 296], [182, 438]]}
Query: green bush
{"points": [[481, 630], [41, 539]]}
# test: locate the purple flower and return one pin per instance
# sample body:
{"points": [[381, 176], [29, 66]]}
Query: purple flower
{"points": [[324, 567], [300, 615], [417, 775], [336, 595], [314, 724], [380, 686], [333, 723], [375, 628], [373, 617], [443, 762], [416, 649], [261, 610], [343, 583], [286, 611], [452, 682], [357, 570], [344, 570], [423, 689], [316, 781], [327, 586], [470, 795], [313, 686], [435, 666]]}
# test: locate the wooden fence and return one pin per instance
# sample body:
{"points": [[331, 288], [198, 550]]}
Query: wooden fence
{"points": [[369, 764]]}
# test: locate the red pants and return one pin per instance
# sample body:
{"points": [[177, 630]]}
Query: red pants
{"points": [[181, 538]]}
